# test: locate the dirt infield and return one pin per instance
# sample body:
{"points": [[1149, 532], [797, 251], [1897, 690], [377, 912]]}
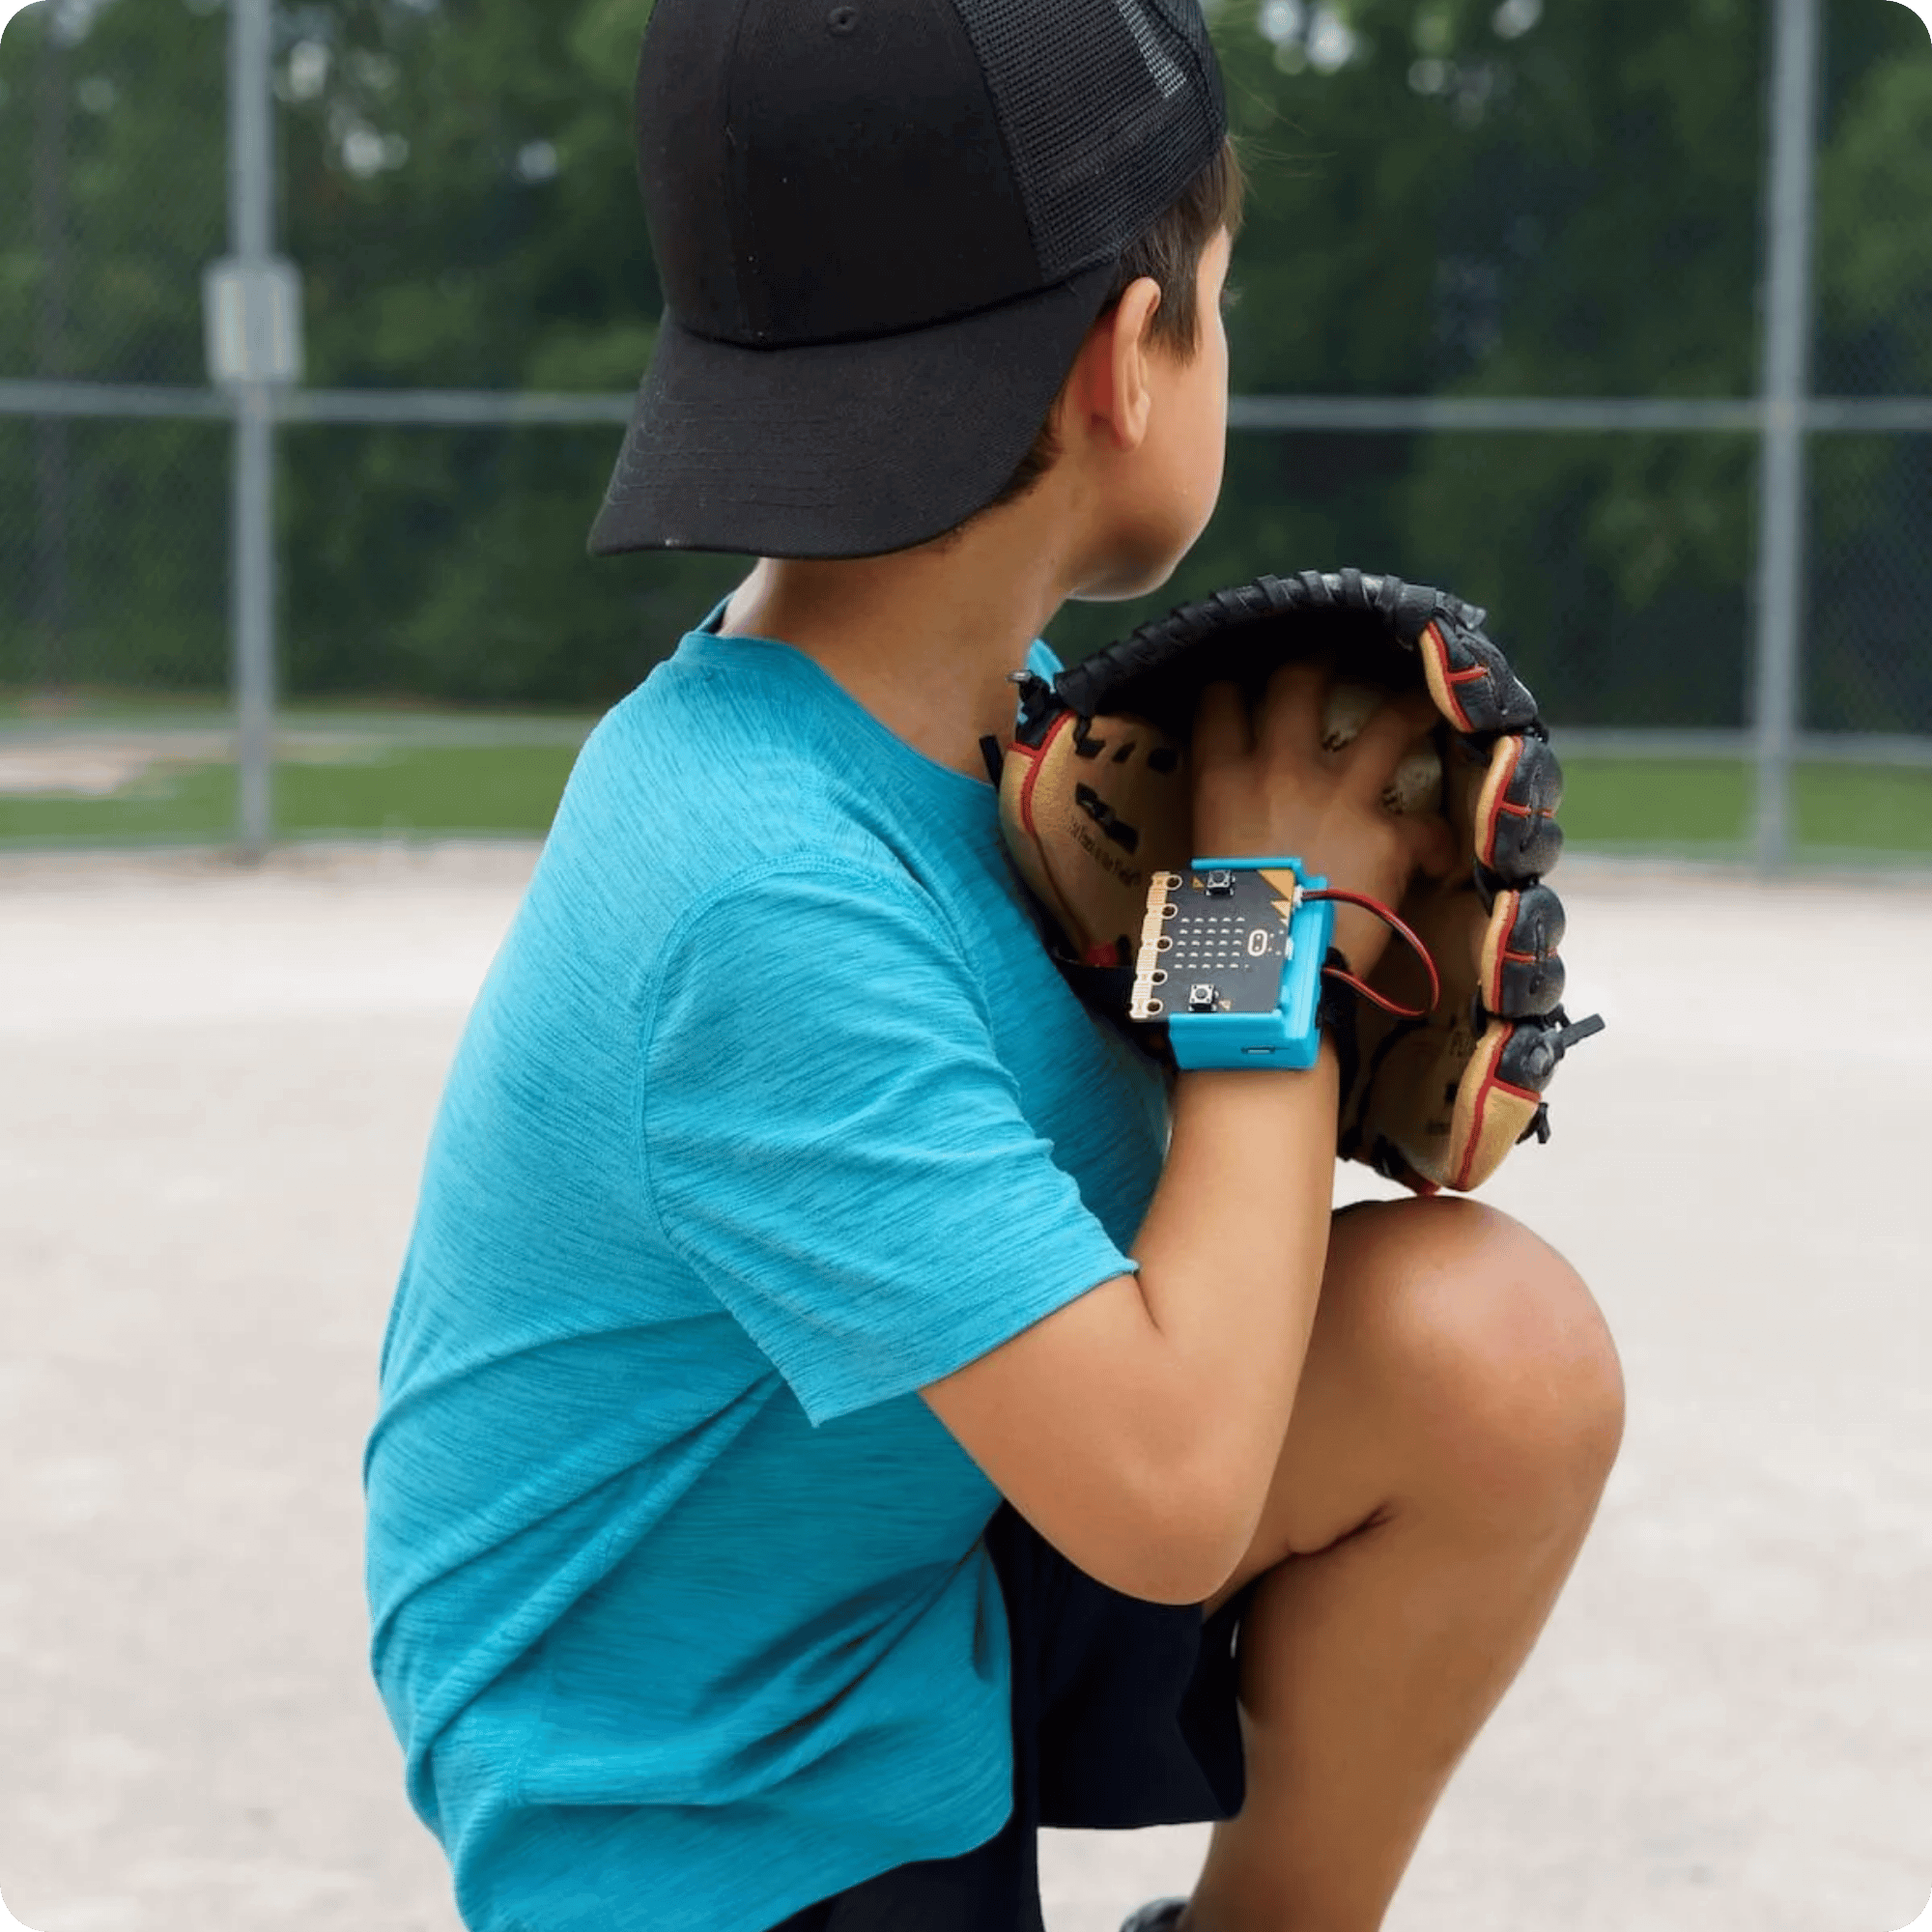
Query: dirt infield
{"points": [[214, 1089]]}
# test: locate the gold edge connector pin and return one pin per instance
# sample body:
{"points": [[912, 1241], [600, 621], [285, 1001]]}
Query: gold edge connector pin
{"points": [[1153, 942]]}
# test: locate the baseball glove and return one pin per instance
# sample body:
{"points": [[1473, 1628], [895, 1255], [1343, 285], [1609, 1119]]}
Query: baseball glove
{"points": [[1096, 799]]}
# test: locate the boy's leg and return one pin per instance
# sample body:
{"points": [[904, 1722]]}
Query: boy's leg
{"points": [[1459, 1410]]}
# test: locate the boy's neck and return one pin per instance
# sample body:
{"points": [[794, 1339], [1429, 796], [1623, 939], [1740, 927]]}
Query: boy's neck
{"points": [[925, 640]]}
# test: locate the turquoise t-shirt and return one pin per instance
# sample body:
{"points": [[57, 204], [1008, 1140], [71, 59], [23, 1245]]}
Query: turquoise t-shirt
{"points": [[771, 1112]]}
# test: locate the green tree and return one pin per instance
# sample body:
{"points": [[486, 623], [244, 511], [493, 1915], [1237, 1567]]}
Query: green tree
{"points": [[460, 185], [110, 153], [1868, 666]]}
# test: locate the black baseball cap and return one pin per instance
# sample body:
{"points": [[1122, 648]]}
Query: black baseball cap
{"points": [[883, 230]]}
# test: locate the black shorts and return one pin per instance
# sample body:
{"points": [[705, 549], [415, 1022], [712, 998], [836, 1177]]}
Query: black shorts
{"points": [[1124, 1716]]}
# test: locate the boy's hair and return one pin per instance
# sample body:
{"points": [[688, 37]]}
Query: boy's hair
{"points": [[1169, 253]]}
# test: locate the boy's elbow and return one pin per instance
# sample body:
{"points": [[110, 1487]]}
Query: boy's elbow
{"points": [[1199, 1533]]}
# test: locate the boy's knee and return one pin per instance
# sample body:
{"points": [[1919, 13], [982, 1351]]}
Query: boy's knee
{"points": [[1501, 1359]]}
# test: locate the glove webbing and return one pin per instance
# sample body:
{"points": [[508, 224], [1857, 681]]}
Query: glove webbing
{"points": [[1156, 648]]}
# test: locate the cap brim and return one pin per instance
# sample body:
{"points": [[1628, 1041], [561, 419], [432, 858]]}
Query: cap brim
{"points": [[840, 449]]}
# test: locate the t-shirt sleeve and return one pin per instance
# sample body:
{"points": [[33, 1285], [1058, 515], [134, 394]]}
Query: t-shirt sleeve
{"points": [[833, 1145]]}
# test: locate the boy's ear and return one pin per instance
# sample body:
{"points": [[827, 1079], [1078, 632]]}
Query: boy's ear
{"points": [[1110, 385]]}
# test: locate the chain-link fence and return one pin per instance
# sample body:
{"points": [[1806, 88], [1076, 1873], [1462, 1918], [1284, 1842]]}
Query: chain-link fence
{"points": [[1497, 330]]}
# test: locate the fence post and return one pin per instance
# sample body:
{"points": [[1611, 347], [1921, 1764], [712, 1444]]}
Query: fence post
{"points": [[52, 567], [1787, 382], [251, 189]]}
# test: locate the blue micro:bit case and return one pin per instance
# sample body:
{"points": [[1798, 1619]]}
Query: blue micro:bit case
{"points": [[1232, 963]]}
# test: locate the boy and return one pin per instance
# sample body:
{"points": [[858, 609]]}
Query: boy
{"points": [[834, 1420]]}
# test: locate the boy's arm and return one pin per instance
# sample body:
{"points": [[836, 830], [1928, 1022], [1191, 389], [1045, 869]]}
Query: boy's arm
{"points": [[1137, 1428]]}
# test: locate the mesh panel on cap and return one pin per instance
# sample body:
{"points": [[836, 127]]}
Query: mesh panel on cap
{"points": [[1161, 63], [1109, 108]]}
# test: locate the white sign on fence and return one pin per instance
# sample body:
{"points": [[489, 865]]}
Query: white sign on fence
{"points": [[252, 315]]}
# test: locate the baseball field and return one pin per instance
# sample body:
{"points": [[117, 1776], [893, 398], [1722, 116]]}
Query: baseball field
{"points": [[217, 1087]]}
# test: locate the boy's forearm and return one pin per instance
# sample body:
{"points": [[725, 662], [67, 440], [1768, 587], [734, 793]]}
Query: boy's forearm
{"points": [[1231, 1257]]}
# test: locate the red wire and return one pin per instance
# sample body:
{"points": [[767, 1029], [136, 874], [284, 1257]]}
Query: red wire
{"points": [[1396, 926]]}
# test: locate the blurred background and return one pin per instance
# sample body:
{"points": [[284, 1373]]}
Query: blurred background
{"points": [[319, 324], [1510, 322]]}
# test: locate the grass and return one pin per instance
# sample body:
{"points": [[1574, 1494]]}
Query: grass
{"points": [[1653, 803], [502, 790], [511, 791]]}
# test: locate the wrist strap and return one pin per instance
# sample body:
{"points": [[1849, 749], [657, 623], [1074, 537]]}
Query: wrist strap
{"points": [[1335, 1010]]}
